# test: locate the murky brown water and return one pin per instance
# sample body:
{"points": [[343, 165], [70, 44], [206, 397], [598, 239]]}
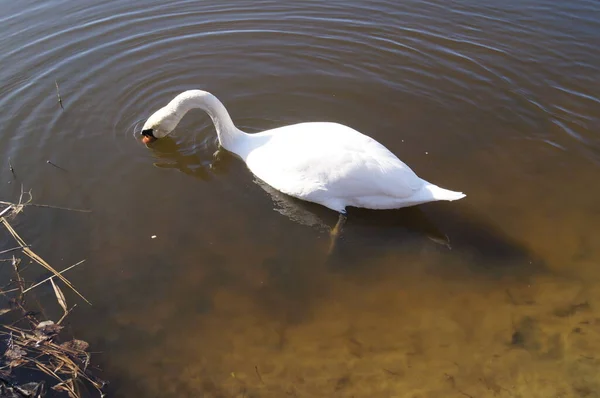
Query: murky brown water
{"points": [[236, 297]]}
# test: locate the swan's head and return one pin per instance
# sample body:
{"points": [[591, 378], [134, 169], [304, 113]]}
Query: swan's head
{"points": [[160, 124]]}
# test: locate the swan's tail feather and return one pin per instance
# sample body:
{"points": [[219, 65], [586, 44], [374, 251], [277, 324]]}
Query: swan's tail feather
{"points": [[438, 193]]}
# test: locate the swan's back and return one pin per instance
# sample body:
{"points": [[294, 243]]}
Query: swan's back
{"points": [[328, 162]]}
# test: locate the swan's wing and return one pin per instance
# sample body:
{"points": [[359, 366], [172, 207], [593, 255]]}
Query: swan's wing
{"points": [[308, 158]]}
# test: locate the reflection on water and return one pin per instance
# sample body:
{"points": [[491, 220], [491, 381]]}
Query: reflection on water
{"points": [[169, 156], [493, 296]]}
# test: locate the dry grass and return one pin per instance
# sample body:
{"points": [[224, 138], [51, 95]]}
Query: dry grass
{"points": [[33, 343]]}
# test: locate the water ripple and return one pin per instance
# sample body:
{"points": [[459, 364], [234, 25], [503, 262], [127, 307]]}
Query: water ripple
{"points": [[476, 57]]}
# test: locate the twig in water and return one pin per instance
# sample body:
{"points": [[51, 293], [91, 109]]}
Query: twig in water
{"points": [[37, 347], [390, 372], [59, 208], [20, 283], [60, 296], [11, 250], [55, 165], [510, 297], [66, 313], [9, 208], [452, 381], [58, 95], [16, 207], [258, 374], [12, 170], [465, 394], [48, 206], [37, 258], [47, 279]]}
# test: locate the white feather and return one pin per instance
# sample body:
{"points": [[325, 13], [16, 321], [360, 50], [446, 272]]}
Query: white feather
{"points": [[326, 163]]}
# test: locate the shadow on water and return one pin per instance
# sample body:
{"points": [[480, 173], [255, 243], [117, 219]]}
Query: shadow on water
{"points": [[367, 234], [440, 227]]}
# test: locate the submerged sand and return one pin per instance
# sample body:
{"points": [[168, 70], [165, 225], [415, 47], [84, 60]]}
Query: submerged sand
{"points": [[416, 331]]}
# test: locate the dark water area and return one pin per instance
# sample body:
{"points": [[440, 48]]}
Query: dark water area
{"points": [[494, 295]]}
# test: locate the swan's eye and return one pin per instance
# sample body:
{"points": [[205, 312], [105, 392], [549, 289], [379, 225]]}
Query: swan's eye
{"points": [[148, 133]]}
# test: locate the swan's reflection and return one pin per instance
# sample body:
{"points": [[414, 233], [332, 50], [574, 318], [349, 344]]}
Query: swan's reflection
{"points": [[299, 211], [171, 155], [411, 219], [191, 161], [373, 228]]}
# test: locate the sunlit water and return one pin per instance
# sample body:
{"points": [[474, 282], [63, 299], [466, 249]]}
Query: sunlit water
{"points": [[493, 295]]}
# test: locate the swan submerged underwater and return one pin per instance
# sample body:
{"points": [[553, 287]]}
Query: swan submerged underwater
{"points": [[321, 162]]}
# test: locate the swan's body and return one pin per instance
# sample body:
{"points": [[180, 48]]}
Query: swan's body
{"points": [[321, 162]]}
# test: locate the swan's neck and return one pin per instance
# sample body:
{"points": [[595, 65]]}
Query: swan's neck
{"points": [[229, 135]]}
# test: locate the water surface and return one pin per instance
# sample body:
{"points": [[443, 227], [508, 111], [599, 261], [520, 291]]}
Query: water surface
{"points": [[493, 295]]}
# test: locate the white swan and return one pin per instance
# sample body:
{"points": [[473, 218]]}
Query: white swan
{"points": [[326, 163]]}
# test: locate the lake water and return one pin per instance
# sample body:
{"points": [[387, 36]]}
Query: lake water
{"points": [[496, 295]]}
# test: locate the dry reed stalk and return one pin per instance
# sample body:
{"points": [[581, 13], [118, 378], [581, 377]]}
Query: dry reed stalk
{"points": [[12, 170], [27, 251], [60, 296], [47, 206], [58, 95], [55, 165], [11, 250], [35, 348], [20, 205], [3, 212], [17, 208], [68, 359], [47, 279]]}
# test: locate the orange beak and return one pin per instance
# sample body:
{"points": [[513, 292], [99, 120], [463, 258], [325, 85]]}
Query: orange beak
{"points": [[148, 139]]}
